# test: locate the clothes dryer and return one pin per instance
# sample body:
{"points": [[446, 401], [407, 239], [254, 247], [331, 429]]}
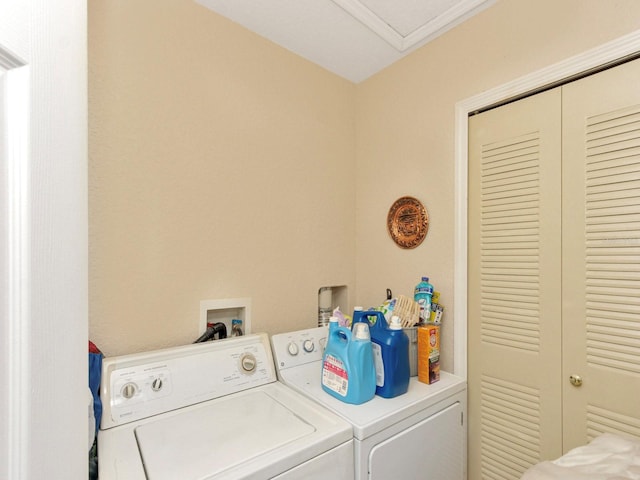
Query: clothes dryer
{"points": [[418, 435]]}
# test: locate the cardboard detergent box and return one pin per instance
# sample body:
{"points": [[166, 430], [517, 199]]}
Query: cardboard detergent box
{"points": [[429, 353]]}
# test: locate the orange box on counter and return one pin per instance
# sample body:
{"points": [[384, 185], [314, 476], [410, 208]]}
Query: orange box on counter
{"points": [[429, 353]]}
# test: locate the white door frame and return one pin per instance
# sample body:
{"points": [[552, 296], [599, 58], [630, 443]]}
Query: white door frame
{"points": [[43, 240], [15, 249], [592, 59]]}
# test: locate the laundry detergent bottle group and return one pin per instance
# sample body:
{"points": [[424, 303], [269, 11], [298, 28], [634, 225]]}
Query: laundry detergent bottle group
{"points": [[390, 352], [348, 370]]}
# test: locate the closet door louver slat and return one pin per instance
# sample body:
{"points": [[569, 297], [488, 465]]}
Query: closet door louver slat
{"points": [[503, 175], [612, 216]]}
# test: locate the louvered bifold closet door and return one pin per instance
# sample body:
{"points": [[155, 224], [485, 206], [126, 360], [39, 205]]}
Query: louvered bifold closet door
{"points": [[514, 275], [601, 231]]}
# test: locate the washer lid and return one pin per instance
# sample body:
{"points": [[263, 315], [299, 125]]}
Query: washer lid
{"points": [[209, 440]]}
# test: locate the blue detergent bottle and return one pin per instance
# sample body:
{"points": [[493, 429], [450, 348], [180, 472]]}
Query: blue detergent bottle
{"points": [[390, 353], [348, 372]]}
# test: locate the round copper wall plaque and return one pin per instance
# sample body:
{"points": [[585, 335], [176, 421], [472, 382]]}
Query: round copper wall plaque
{"points": [[407, 222]]}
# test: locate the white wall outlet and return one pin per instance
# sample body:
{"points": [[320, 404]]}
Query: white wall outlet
{"points": [[225, 310]]}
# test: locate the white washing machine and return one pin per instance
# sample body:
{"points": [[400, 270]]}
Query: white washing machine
{"points": [[214, 410], [418, 435]]}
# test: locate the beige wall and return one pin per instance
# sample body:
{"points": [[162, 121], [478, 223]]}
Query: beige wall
{"points": [[405, 127], [221, 166], [224, 166]]}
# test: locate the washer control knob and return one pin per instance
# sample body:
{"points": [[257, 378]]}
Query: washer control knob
{"points": [[308, 346], [156, 385], [248, 363], [129, 390], [292, 348]]}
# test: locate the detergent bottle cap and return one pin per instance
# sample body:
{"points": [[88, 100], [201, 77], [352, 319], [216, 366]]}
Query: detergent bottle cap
{"points": [[357, 309], [425, 279], [395, 323], [361, 331]]}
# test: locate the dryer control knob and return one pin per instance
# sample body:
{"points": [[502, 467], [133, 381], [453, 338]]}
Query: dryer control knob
{"points": [[292, 348], [308, 346]]}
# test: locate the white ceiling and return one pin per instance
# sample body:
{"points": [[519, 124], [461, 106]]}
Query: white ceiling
{"points": [[351, 38]]}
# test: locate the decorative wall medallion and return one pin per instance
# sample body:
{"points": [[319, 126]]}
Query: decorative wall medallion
{"points": [[407, 222]]}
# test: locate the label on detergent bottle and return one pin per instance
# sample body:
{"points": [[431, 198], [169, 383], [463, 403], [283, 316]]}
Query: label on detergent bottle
{"points": [[334, 375], [377, 361]]}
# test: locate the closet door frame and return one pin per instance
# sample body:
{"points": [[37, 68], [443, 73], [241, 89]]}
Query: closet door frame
{"points": [[590, 60]]}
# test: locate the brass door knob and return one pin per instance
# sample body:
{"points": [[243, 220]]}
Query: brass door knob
{"points": [[576, 380]]}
